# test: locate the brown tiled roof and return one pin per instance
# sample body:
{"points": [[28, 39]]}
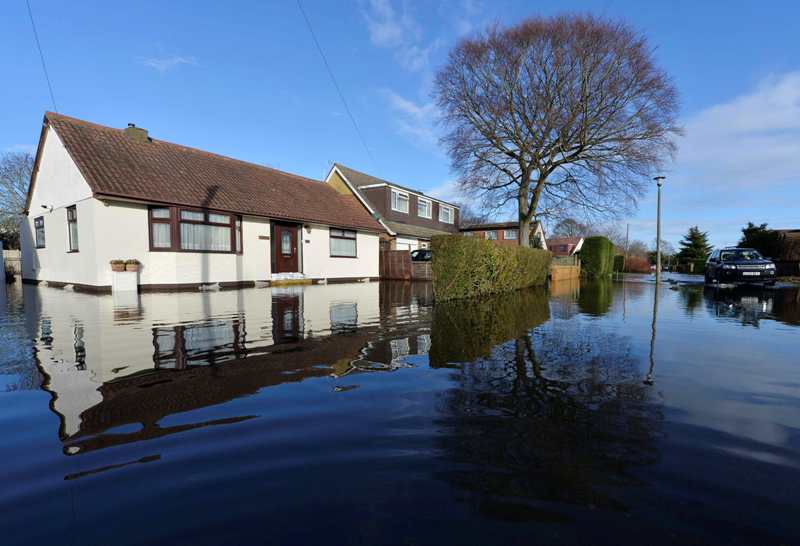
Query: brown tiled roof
{"points": [[115, 165], [564, 241]]}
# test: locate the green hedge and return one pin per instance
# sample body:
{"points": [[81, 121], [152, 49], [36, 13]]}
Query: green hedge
{"points": [[465, 267], [597, 257]]}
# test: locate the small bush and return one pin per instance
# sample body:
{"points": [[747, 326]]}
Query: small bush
{"points": [[597, 257], [10, 275], [637, 264], [465, 267]]}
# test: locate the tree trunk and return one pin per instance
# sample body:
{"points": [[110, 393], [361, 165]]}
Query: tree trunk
{"points": [[524, 236]]}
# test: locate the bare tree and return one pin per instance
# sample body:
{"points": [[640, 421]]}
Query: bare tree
{"points": [[554, 115], [15, 175], [569, 227]]}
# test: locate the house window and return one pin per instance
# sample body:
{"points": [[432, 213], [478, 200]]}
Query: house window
{"points": [[72, 228], [400, 201], [446, 214], [38, 224], [424, 207], [161, 228], [510, 234], [491, 235], [343, 243], [176, 229]]}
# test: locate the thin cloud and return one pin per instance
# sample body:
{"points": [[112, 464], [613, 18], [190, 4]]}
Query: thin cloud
{"points": [[21, 148], [752, 140], [413, 119], [165, 64], [397, 29]]}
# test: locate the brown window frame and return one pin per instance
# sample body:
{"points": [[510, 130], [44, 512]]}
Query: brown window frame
{"points": [[175, 221], [72, 218], [36, 221], [354, 238]]}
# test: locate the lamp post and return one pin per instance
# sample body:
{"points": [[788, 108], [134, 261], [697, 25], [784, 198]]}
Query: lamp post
{"points": [[659, 182]]}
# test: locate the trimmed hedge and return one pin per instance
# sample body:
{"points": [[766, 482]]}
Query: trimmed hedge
{"points": [[465, 267], [597, 257]]}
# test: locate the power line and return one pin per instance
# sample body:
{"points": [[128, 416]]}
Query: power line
{"points": [[333, 79], [41, 56]]}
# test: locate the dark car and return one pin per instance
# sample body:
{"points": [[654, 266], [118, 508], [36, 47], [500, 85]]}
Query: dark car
{"points": [[421, 255], [739, 265]]}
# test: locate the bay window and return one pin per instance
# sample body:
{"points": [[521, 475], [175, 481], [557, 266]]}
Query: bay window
{"points": [[343, 243], [194, 230]]}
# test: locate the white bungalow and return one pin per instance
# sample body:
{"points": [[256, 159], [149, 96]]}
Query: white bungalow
{"points": [[189, 217]]}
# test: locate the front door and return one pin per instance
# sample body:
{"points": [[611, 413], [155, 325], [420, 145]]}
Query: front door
{"points": [[285, 248]]}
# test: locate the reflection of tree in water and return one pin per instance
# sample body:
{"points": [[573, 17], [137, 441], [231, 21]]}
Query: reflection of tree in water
{"points": [[558, 415], [692, 298]]}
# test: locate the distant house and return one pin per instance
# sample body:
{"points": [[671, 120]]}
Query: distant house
{"points": [[409, 217], [190, 217], [565, 246], [505, 233]]}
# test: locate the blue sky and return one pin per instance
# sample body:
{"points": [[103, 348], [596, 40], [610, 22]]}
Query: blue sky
{"points": [[248, 82]]}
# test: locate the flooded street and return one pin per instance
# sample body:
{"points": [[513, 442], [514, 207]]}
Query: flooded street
{"points": [[366, 414]]}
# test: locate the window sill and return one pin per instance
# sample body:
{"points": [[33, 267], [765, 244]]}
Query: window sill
{"points": [[176, 251], [72, 251], [349, 257]]}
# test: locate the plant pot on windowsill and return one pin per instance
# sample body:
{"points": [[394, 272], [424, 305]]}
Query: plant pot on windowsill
{"points": [[118, 265], [132, 265]]}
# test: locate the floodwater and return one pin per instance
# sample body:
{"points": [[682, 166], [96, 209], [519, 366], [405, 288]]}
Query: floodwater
{"points": [[602, 413]]}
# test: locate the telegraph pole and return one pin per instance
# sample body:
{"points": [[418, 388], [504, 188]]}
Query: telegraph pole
{"points": [[659, 181]]}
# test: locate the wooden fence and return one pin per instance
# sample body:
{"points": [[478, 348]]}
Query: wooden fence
{"points": [[397, 265]]}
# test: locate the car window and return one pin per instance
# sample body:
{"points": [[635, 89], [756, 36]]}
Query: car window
{"points": [[740, 255]]}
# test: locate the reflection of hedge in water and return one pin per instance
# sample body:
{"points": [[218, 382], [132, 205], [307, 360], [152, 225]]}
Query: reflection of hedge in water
{"points": [[596, 297], [464, 330], [557, 416]]}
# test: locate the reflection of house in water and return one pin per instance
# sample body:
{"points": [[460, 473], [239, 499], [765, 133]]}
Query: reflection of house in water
{"points": [[110, 365]]}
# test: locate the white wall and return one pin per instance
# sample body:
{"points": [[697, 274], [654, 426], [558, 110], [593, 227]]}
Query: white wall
{"points": [[318, 263], [59, 184], [129, 239]]}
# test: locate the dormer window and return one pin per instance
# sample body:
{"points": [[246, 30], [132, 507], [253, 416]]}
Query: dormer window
{"points": [[446, 214], [400, 201], [424, 207]]}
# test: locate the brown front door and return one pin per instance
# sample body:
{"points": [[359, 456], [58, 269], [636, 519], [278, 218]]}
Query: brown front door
{"points": [[285, 248]]}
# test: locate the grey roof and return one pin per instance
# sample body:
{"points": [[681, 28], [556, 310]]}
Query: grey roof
{"points": [[359, 179], [414, 231], [495, 225]]}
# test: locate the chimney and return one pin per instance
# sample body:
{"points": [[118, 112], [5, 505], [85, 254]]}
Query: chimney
{"points": [[136, 134]]}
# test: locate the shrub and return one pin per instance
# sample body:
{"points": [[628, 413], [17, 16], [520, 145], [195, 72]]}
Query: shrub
{"points": [[465, 267], [10, 274], [619, 263], [597, 257], [637, 264]]}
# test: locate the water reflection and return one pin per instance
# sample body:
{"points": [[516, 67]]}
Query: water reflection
{"points": [[557, 415], [532, 408]]}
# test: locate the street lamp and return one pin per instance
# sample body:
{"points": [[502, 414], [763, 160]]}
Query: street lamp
{"points": [[659, 181]]}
